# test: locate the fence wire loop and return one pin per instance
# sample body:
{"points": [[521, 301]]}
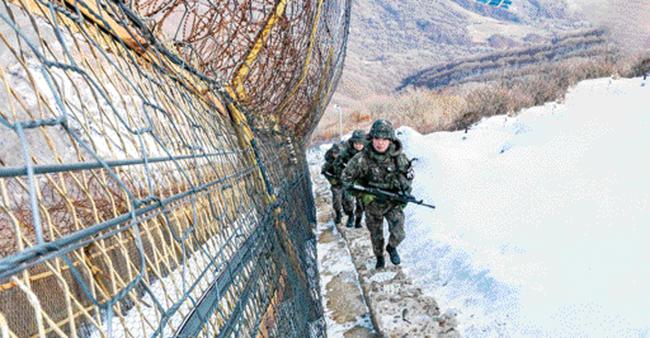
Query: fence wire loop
{"points": [[153, 181]]}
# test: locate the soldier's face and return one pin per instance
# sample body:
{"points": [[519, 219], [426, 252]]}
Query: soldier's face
{"points": [[358, 146], [380, 144]]}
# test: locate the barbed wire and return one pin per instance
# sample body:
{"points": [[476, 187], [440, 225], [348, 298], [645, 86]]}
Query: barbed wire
{"points": [[152, 177]]}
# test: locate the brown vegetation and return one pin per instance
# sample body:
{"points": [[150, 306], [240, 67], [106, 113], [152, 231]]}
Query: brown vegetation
{"points": [[459, 107]]}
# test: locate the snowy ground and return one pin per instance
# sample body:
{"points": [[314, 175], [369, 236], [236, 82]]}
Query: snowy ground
{"points": [[542, 220], [346, 311]]}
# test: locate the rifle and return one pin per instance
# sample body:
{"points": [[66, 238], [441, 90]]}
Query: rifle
{"points": [[383, 194]]}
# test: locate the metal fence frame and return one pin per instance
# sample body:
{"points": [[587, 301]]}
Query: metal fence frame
{"points": [[207, 222]]}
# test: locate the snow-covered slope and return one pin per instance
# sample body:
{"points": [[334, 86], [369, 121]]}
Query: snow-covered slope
{"points": [[543, 220]]}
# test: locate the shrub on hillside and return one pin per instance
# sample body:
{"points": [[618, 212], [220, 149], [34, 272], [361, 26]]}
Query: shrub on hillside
{"points": [[512, 95], [458, 108]]}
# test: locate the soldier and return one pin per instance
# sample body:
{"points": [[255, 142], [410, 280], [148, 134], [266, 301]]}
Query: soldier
{"points": [[329, 172], [355, 144], [382, 165]]}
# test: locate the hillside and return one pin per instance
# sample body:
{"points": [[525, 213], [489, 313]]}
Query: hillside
{"points": [[540, 226], [541, 221], [516, 62], [391, 40], [441, 65]]}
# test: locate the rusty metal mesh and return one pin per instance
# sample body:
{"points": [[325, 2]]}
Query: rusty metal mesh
{"points": [[282, 57], [152, 171]]}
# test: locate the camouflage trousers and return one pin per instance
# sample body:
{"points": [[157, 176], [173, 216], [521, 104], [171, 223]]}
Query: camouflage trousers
{"points": [[341, 198], [375, 214]]}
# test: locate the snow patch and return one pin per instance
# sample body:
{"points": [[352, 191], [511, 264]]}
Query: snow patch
{"points": [[381, 277], [541, 224]]}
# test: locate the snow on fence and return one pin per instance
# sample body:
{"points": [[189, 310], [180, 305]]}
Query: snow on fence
{"points": [[152, 171]]}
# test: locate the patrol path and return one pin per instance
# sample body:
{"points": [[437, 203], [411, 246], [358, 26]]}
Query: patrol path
{"points": [[345, 309], [395, 307]]}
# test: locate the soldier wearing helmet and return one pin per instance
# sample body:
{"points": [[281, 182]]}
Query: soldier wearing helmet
{"points": [[335, 160], [351, 205], [382, 165], [333, 178]]}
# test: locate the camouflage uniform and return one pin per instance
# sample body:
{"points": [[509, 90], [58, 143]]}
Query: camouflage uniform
{"points": [[334, 179], [390, 171], [347, 151]]}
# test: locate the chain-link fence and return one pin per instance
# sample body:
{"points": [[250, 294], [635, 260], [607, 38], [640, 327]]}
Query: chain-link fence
{"points": [[152, 172]]}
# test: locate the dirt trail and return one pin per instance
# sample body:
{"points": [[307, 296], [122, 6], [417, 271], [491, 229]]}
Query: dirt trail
{"points": [[398, 308], [346, 312]]}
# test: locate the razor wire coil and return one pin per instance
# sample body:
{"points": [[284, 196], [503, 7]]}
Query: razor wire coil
{"points": [[146, 188]]}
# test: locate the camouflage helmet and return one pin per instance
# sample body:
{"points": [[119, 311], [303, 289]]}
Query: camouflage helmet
{"points": [[358, 136], [382, 129]]}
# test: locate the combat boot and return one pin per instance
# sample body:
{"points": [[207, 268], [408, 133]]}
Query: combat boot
{"points": [[350, 221], [394, 256], [357, 222], [337, 216], [381, 263]]}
